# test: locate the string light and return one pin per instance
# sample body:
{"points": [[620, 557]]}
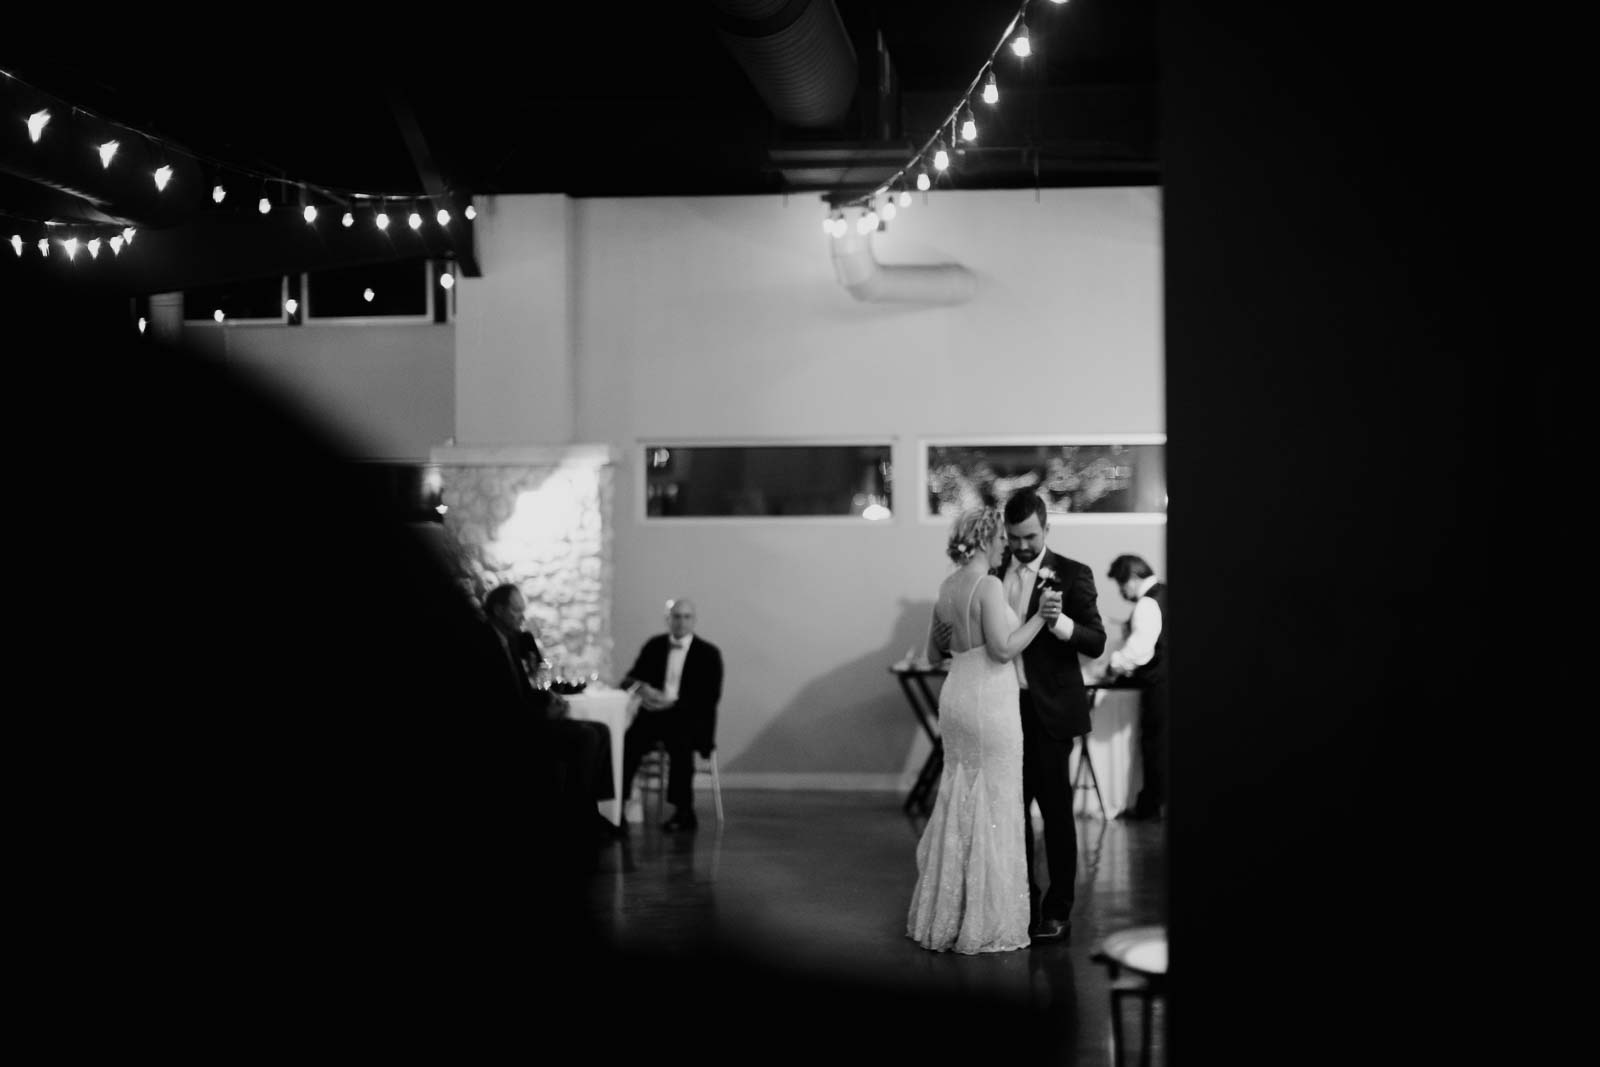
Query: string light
{"points": [[44, 246], [923, 182], [383, 220], [348, 220], [264, 205], [16, 243], [905, 197], [447, 280], [471, 213], [443, 217], [941, 160], [116, 244], [291, 305], [889, 210], [36, 124], [310, 213], [867, 223], [127, 235], [94, 248], [991, 90], [1020, 44], [106, 151], [71, 245], [218, 194], [415, 220], [218, 315], [367, 295], [163, 176], [969, 128], [142, 323]]}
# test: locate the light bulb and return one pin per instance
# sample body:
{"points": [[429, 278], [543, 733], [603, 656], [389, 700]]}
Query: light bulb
{"points": [[116, 244], [922, 181], [383, 220], [127, 234], [218, 315], [414, 220], [71, 245], [827, 224], [36, 124], [107, 150], [310, 213], [867, 222], [348, 220], [1058, 1], [969, 129], [44, 246], [16, 243], [291, 305], [264, 206], [447, 280], [218, 194], [941, 160], [889, 211], [905, 198], [142, 323], [1020, 45], [163, 176], [367, 295], [443, 217], [471, 213], [94, 248], [991, 91]]}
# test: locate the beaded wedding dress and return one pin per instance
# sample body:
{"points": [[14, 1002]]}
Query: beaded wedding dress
{"points": [[972, 874]]}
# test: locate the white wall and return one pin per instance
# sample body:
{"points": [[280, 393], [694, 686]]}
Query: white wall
{"points": [[720, 319], [390, 389]]}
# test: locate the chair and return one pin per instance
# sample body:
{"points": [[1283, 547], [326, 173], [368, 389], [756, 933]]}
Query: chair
{"points": [[653, 773], [1142, 952]]}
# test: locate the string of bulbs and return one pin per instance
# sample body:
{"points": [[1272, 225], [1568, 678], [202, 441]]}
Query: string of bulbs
{"points": [[120, 237], [962, 126]]}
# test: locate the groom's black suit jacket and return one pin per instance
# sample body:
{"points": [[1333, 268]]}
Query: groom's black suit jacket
{"points": [[1055, 678], [699, 688]]}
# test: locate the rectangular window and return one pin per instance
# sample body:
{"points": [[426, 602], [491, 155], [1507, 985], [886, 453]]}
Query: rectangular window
{"points": [[1102, 476], [395, 290], [252, 300], [768, 481]]}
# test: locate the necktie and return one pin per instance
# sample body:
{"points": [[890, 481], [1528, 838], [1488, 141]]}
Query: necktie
{"points": [[1017, 587]]}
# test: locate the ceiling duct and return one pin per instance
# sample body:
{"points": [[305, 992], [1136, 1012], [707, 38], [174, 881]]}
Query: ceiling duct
{"points": [[859, 271], [796, 53]]}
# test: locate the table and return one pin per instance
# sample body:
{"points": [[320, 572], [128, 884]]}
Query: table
{"points": [[614, 708], [1114, 707], [914, 683]]}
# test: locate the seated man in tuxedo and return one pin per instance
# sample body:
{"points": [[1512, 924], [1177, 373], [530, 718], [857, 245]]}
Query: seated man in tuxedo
{"points": [[678, 679], [1143, 660], [582, 749]]}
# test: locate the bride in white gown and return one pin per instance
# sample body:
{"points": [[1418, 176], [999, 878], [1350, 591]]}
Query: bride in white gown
{"points": [[972, 873]]}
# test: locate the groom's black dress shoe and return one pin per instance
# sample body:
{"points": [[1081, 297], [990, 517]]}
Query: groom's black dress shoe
{"points": [[681, 820], [1046, 930]]}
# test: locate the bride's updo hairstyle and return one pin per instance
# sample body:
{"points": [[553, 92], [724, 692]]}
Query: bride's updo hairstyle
{"points": [[971, 533]]}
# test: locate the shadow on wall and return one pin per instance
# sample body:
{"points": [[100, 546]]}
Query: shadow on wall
{"points": [[852, 720]]}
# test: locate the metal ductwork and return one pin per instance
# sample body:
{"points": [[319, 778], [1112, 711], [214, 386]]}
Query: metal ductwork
{"points": [[796, 53], [859, 271]]}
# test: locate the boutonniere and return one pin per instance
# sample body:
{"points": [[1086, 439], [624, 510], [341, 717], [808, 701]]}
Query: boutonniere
{"points": [[1048, 580]]}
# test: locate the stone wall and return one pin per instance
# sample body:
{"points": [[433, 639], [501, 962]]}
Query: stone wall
{"points": [[540, 518]]}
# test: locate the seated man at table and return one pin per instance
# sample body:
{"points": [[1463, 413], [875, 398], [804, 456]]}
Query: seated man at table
{"points": [[582, 749], [678, 679], [1143, 660]]}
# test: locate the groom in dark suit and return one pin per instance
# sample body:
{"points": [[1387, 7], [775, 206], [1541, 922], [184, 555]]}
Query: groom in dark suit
{"points": [[678, 679], [1055, 708]]}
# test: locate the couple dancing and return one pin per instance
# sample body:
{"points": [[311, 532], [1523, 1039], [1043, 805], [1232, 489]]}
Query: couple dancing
{"points": [[1014, 617]]}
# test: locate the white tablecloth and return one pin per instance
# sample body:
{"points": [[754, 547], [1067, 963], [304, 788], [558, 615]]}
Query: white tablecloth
{"points": [[609, 706], [1113, 752]]}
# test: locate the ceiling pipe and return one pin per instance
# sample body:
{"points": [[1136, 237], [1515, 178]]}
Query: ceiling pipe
{"points": [[796, 53], [859, 271]]}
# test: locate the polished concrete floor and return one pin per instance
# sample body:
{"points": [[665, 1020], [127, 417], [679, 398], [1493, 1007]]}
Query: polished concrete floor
{"points": [[816, 884]]}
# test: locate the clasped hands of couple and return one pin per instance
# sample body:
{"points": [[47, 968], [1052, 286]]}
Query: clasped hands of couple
{"points": [[1049, 610]]}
